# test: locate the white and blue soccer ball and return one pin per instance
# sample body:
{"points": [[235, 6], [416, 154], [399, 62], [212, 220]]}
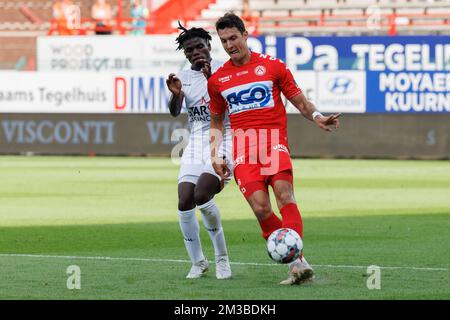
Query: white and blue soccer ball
{"points": [[284, 245]]}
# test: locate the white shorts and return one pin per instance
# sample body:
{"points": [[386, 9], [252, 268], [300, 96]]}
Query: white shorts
{"points": [[196, 160]]}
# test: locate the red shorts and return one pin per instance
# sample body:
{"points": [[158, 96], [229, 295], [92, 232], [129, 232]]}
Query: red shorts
{"points": [[252, 176]]}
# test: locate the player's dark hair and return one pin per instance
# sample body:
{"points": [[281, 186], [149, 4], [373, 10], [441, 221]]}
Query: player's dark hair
{"points": [[230, 20], [187, 34]]}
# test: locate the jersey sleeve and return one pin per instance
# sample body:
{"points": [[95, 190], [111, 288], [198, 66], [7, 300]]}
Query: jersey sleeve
{"points": [[217, 104], [286, 81]]}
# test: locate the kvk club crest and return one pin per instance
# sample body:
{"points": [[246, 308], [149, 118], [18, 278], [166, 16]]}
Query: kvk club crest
{"points": [[260, 70]]}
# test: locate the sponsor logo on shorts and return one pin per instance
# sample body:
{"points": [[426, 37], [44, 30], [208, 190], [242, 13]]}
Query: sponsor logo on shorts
{"points": [[239, 184]]}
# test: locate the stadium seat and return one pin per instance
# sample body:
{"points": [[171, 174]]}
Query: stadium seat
{"points": [[277, 13]]}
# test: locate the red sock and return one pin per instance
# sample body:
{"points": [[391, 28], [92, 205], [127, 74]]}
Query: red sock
{"points": [[269, 225], [292, 218]]}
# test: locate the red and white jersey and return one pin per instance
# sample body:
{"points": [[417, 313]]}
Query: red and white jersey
{"points": [[252, 93]]}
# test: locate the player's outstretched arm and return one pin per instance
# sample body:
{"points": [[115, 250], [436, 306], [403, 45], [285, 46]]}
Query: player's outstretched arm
{"points": [[215, 139], [176, 100], [308, 110]]}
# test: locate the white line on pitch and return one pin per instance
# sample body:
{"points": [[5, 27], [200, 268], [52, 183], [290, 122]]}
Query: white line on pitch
{"points": [[188, 261]]}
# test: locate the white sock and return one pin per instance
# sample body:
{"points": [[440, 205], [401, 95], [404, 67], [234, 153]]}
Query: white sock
{"points": [[191, 233], [211, 221]]}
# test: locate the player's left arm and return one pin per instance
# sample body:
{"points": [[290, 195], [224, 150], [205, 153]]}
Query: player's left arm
{"points": [[308, 110]]}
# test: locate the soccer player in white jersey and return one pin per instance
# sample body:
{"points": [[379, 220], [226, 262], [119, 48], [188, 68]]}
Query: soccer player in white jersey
{"points": [[197, 180]]}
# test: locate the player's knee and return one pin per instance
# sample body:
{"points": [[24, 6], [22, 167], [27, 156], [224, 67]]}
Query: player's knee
{"points": [[285, 197], [202, 196], [185, 204], [262, 211]]}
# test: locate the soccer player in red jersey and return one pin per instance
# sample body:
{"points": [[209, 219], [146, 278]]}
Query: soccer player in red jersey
{"points": [[249, 85]]}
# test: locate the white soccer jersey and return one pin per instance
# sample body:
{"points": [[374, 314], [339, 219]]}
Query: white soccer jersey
{"points": [[196, 157]]}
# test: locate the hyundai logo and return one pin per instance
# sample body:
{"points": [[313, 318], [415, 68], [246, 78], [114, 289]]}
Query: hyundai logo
{"points": [[341, 85]]}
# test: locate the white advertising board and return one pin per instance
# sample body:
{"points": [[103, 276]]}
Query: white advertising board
{"points": [[132, 92], [79, 92], [341, 91], [115, 53]]}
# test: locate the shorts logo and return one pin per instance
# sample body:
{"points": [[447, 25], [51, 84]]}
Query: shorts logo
{"points": [[255, 95], [260, 70], [243, 190]]}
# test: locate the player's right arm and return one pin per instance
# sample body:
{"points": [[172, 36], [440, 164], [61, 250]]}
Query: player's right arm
{"points": [[309, 111], [176, 100]]}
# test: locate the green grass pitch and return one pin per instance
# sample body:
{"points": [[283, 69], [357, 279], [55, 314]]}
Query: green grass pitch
{"points": [[62, 211]]}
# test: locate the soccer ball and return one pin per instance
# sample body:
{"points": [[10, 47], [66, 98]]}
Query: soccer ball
{"points": [[284, 245]]}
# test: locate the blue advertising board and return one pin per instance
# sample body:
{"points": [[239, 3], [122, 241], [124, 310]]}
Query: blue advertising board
{"points": [[402, 73]]}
